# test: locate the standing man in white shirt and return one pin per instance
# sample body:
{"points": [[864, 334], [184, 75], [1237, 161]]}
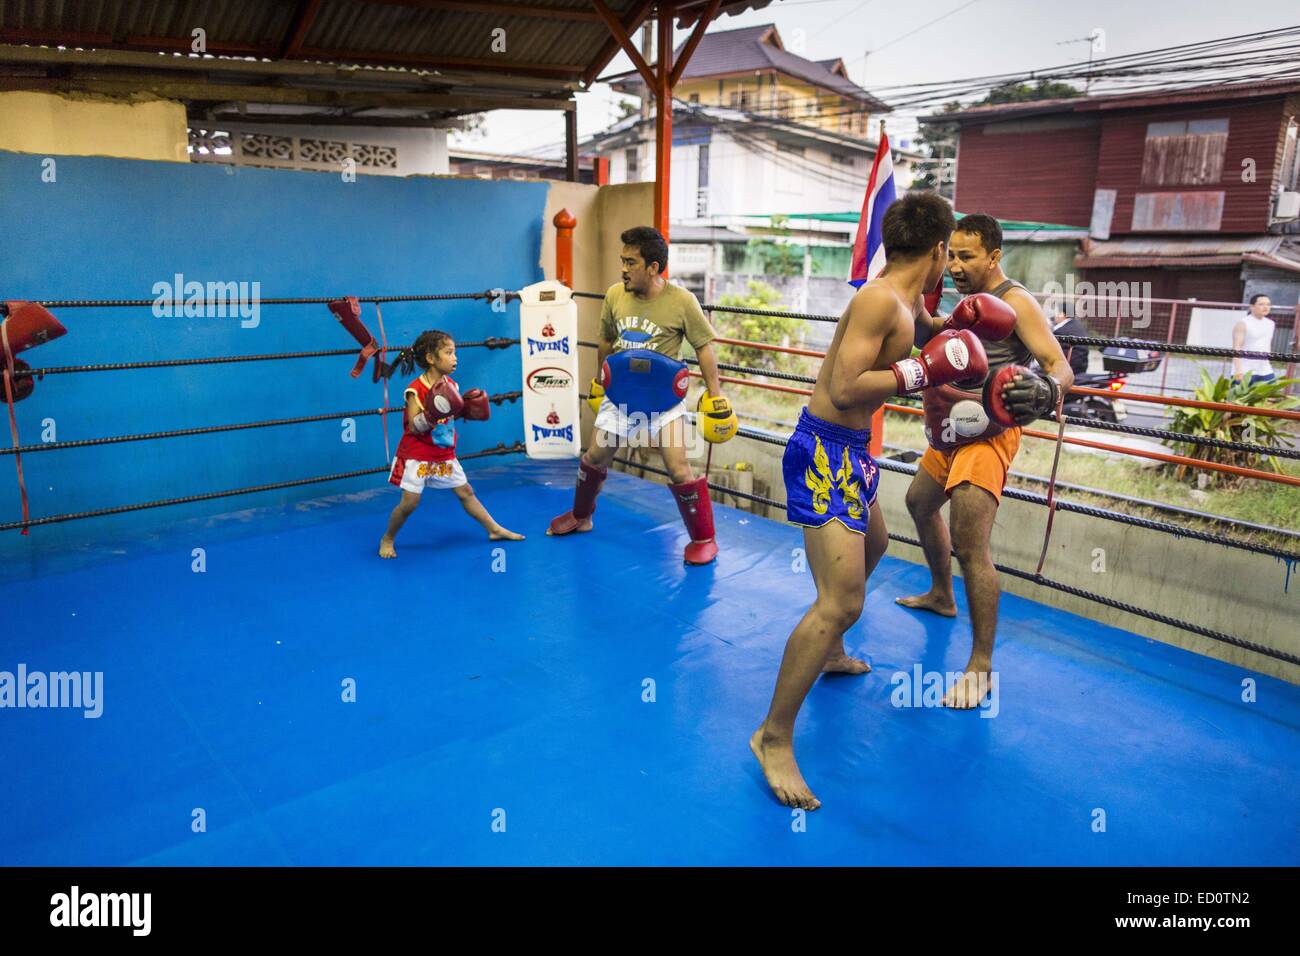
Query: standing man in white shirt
{"points": [[1254, 333]]}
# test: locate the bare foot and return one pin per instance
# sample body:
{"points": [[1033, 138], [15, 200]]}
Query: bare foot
{"points": [[841, 663], [930, 601], [969, 689], [782, 773], [504, 534], [386, 549]]}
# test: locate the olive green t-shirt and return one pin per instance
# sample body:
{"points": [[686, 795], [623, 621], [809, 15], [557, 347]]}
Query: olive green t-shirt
{"points": [[660, 323]]}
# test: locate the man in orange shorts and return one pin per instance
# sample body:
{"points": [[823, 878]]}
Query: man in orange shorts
{"points": [[970, 454]]}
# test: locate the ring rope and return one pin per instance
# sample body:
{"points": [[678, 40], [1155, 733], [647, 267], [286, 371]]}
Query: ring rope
{"points": [[500, 449], [1047, 582], [215, 429], [1203, 350], [491, 343], [1150, 524], [311, 300]]}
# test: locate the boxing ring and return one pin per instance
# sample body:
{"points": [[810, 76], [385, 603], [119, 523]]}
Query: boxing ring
{"points": [[232, 705], [586, 700]]}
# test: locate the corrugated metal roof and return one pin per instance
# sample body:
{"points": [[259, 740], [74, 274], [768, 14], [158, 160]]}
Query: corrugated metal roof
{"points": [[345, 31], [1083, 104], [1277, 252], [1155, 246]]}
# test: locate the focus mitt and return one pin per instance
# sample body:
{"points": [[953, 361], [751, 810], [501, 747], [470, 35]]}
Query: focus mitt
{"points": [[717, 419], [1016, 395], [595, 395]]}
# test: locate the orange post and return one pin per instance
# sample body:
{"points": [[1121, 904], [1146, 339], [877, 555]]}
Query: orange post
{"points": [[564, 224], [663, 118]]}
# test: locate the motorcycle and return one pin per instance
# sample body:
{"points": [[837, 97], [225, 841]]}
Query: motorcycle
{"points": [[1117, 365]]}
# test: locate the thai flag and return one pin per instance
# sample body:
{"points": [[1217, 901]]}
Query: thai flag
{"points": [[868, 247]]}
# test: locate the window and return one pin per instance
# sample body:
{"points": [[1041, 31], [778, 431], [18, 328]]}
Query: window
{"points": [[789, 168], [1290, 168], [784, 105], [844, 182], [633, 167], [1184, 152], [695, 97]]}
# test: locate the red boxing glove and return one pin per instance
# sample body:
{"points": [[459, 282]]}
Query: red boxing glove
{"points": [[477, 407], [950, 358], [443, 401], [986, 315]]}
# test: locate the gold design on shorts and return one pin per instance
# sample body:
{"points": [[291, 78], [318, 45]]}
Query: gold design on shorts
{"points": [[820, 481], [850, 488]]}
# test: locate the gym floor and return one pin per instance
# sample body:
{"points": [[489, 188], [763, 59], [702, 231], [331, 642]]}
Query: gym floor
{"points": [[500, 714]]}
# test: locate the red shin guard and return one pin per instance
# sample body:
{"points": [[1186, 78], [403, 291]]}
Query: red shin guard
{"points": [[584, 501], [697, 514]]}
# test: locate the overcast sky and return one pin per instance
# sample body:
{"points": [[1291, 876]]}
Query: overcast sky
{"points": [[877, 42]]}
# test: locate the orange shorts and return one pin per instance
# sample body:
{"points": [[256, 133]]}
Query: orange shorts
{"points": [[983, 463]]}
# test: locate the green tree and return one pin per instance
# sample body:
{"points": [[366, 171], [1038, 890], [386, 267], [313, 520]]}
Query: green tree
{"points": [[1014, 92], [770, 329]]}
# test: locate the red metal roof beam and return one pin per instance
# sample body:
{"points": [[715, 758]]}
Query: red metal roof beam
{"points": [[696, 36], [624, 41], [634, 19], [303, 18]]}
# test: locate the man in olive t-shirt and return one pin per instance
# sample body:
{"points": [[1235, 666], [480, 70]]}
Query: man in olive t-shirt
{"points": [[645, 311]]}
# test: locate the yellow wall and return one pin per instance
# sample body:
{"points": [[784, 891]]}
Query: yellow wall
{"points": [[83, 125], [806, 100], [603, 213]]}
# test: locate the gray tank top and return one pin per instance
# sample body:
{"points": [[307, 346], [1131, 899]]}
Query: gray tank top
{"points": [[1010, 351]]}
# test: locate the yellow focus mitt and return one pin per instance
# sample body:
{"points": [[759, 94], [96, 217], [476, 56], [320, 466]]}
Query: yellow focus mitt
{"points": [[595, 395], [717, 419]]}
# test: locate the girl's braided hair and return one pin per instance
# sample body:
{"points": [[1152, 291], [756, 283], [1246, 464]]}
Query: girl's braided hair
{"points": [[429, 341]]}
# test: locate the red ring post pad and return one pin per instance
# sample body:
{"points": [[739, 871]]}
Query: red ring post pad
{"points": [[643, 380]]}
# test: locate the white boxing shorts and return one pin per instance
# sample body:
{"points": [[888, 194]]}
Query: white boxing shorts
{"points": [[414, 476], [614, 420]]}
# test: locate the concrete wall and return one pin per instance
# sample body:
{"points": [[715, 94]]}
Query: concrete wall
{"points": [[420, 152], [84, 125], [1226, 590]]}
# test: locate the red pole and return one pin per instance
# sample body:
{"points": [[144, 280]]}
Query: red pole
{"points": [[564, 224], [663, 118]]}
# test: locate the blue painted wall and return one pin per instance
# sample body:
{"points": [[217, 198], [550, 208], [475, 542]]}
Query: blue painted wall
{"points": [[111, 229]]}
